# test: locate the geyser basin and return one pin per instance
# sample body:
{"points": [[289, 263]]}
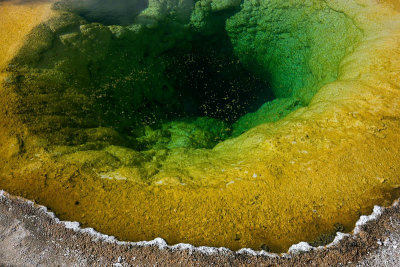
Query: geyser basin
{"points": [[140, 129]]}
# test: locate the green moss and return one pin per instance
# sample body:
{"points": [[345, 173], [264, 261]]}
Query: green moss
{"points": [[269, 112], [189, 133], [82, 75], [298, 44], [147, 84]]}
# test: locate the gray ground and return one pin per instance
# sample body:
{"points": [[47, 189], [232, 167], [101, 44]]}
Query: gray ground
{"points": [[31, 237], [388, 254]]}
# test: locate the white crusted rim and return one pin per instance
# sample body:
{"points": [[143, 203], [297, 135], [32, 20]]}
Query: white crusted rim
{"points": [[300, 247]]}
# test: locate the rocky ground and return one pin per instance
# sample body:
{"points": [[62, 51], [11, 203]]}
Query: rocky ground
{"points": [[30, 236]]}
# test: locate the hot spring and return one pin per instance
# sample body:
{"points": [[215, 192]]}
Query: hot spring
{"points": [[228, 123]]}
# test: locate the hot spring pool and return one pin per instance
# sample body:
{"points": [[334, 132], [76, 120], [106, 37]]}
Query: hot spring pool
{"points": [[226, 123]]}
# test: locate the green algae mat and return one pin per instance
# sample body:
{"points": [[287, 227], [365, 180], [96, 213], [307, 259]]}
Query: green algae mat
{"points": [[227, 123]]}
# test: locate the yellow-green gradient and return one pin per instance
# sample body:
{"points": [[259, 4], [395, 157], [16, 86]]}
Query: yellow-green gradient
{"points": [[302, 166]]}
